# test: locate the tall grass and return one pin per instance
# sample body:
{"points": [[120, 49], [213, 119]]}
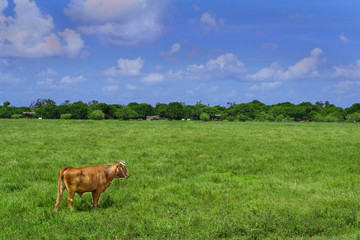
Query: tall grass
{"points": [[189, 180]]}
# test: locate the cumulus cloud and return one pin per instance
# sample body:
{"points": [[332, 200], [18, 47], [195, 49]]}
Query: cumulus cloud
{"points": [[350, 71], [119, 22], [175, 48], [305, 68], [226, 63], [210, 22], [153, 78], [125, 67], [31, 34], [73, 80], [225, 66], [343, 38]]}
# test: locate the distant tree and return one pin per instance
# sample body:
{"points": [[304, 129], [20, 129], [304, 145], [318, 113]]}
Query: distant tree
{"points": [[319, 104], [50, 111], [175, 110], [354, 108], [204, 117], [79, 110], [41, 103], [305, 112], [97, 115], [143, 110], [106, 109], [353, 117], [93, 102], [6, 104], [160, 109], [66, 103], [282, 111], [126, 113]]}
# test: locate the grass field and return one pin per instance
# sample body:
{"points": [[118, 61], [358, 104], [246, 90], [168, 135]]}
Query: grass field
{"points": [[189, 180]]}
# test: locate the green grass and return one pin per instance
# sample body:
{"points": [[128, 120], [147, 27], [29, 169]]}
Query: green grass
{"points": [[189, 180]]}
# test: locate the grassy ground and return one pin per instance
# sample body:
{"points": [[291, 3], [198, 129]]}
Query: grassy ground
{"points": [[189, 180]]}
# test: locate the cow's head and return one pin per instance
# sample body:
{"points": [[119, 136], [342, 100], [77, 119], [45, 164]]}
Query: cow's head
{"points": [[121, 171]]}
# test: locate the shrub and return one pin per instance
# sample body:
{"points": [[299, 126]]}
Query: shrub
{"points": [[242, 117], [334, 117], [318, 117], [230, 118], [204, 117], [97, 115], [65, 116], [353, 117], [16, 116]]}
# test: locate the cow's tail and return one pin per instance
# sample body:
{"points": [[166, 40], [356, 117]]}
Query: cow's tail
{"points": [[61, 187]]}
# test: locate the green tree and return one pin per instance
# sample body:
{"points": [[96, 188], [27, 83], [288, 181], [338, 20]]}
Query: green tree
{"points": [[97, 115], [106, 109], [41, 103], [175, 110], [126, 113], [353, 117], [79, 110], [354, 108], [143, 110], [50, 111], [160, 109], [205, 117], [6, 104]]}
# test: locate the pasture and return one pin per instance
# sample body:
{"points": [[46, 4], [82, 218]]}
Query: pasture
{"points": [[189, 180]]}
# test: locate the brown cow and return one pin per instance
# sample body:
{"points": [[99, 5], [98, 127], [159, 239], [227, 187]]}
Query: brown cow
{"points": [[94, 179]]}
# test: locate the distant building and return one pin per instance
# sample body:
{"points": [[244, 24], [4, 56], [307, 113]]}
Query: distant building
{"points": [[152, 118], [28, 115]]}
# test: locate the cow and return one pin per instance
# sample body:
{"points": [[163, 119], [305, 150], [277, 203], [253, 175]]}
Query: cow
{"points": [[94, 179]]}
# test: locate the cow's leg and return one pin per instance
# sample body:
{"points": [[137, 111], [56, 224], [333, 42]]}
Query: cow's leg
{"points": [[96, 196], [71, 199], [60, 194]]}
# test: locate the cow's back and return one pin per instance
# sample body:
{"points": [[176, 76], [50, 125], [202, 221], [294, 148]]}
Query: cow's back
{"points": [[85, 179]]}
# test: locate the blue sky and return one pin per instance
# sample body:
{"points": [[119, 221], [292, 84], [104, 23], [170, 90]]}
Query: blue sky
{"points": [[150, 51]]}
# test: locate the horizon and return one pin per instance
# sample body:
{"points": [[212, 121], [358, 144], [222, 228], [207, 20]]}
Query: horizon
{"points": [[147, 51]]}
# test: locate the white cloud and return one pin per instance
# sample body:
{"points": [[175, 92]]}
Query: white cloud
{"points": [[110, 88], [31, 34], [8, 78], [195, 68], [46, 82], [73, 80], [225, 66], [175, 48], [228, 63], [343, 38], [125, 67], [305, 68], [266, 86], [119, 22], [153, 78], [350, 71], [210, 22]]}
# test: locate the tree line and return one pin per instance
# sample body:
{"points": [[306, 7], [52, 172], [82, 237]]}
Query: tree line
{"points": [[252, 111]]}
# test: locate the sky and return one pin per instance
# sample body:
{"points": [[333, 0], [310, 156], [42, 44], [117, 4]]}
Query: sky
{"points": [[162, 51]]}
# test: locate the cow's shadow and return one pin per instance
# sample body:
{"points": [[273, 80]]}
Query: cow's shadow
{"points": [[86, 203]]}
